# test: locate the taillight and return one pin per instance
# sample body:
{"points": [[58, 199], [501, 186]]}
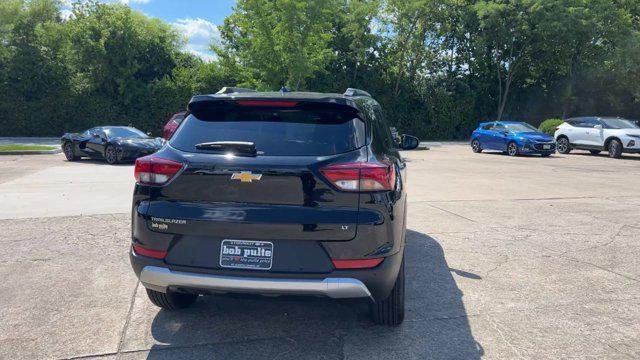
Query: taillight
{"points": [[153, 170], [357, 264], [156, 254], [361, 176]]}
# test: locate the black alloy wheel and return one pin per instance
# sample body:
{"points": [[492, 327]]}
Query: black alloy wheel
{"points": [[67, 148]]}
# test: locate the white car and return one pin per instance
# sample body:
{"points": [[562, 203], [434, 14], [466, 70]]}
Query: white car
{"points": [[596, 134]]}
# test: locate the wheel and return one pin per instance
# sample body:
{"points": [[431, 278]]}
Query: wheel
{"points": [[475, 146], [390, 311], [67, 148], [594, 152], [512, 149], [111, 154], [563, 145], [171, 300], [615, 149]]}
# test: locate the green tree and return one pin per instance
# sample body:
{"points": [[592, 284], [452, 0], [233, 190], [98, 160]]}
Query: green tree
{"points": [[278, 42]]}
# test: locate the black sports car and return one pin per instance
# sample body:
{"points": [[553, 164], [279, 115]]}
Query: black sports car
{"points": [[111, 143]]}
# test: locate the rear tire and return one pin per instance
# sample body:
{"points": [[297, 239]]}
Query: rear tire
{"points": [[512, 149], [67, 148], [111, 155], [171, 300], [390, 311], [615, 149], [475, 146], [563, 145], [594, 152]]}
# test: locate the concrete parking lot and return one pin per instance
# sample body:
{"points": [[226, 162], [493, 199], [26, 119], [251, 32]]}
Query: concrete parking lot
{"points": [[506, 258]]}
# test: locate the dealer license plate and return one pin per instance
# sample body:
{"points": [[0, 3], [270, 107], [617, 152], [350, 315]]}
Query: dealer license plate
{"points": [[246, 254]]}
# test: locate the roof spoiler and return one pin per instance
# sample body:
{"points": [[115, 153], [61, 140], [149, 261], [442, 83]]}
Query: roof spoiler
{"points": [[231, 90], [356, 92]]}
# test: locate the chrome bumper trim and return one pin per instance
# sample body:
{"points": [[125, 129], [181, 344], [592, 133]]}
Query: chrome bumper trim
{"points": [[159, 279]]}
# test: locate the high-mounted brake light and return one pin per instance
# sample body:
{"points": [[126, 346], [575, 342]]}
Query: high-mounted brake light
{"points": [[156, 254], [153, 170], [361, 176], [267, 103], [357, 264]]}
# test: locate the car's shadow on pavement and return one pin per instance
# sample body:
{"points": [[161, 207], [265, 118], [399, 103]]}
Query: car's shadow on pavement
{"points": [[241, 327]]}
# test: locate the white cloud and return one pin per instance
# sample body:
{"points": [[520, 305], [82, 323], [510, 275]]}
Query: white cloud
{"points": [[197, 28], [66, 14], [199, 33]]}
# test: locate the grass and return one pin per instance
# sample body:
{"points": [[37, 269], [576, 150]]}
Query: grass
{"points": [[25, 147]]}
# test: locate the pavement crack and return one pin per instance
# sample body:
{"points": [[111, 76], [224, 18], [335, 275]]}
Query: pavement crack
{"points": [[451, 212], [127, 319], [612, 238], [601, 268]]}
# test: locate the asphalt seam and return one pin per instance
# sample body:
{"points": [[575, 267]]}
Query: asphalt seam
{"points": [[127, 320]]}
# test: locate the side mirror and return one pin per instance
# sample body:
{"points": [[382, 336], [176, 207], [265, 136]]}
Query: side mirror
{"points": [[598, 127], [408, 142]]}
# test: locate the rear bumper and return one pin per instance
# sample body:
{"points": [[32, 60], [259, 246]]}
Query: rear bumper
{"points": [[375, 283], [160, 279]]}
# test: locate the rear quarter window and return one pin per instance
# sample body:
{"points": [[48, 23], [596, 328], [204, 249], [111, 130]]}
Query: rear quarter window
{"points": [[275, 132]]}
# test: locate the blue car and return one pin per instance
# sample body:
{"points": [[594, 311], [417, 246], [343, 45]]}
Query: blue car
{"points": [[513, 137]]}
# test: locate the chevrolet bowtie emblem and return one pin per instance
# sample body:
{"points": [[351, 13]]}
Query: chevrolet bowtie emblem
{"points": [[246, 176]]}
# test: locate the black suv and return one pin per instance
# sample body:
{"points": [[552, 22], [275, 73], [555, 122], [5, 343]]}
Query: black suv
{"points": [[274, 193]]}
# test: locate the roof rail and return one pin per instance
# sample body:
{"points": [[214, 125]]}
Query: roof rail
{"points": [[356, 92], [231, 90]]}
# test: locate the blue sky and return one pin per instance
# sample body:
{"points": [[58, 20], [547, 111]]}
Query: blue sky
{"points": [[197, 20]]}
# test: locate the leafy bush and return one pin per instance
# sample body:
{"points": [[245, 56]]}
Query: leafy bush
{"points": [[549, 126]]}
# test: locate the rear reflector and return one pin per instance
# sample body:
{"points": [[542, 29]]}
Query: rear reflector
{"points": [[153, 170], [272, 103], [357, 264], [156, 254], [362, 176]]}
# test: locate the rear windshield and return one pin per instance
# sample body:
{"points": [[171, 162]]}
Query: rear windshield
{"points": [[275, 132]]}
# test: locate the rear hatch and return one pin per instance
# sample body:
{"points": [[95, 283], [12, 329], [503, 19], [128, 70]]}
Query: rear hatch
{"points": [[252, 172]]}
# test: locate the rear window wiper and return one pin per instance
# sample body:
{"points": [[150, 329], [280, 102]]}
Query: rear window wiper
{"points": [[234, 147]]}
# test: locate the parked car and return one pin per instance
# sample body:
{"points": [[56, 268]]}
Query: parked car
{"points": [[111, 143], [172, 125], [274, 193], [596, 134], [513, 137]]}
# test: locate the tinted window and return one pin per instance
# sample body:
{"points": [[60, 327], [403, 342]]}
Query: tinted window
{"points": [[499, 128], [114, 132], [520, 127], [275, 132], [585, 122], [385, 132], [487, 127]]}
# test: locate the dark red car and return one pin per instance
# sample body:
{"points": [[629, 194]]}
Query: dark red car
{"points": [[173, 124]]}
